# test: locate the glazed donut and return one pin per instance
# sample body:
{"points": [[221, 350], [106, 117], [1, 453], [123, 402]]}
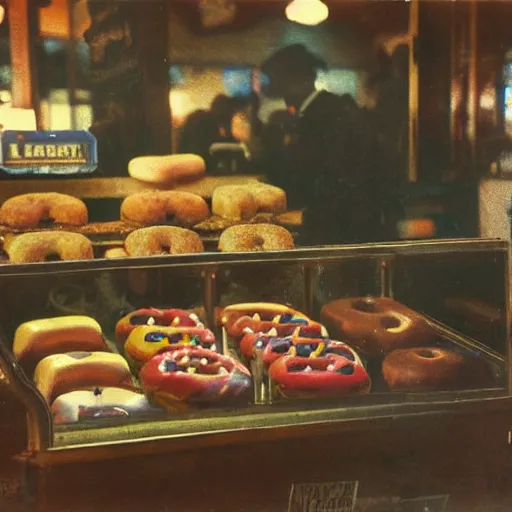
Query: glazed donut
{"points": [[37, 339], [375, 326], [159, 207], [234, 202], [193, 375], [255, 238], [261, 317], [155, 317], [146, 341], [159, 240], [328, 375], [58, 374], [423, 369], [166, 168], [99, 403], [48, 246], [30, 210]]}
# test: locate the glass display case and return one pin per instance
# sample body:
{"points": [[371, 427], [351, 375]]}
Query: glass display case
{"points": [[254, 341]]}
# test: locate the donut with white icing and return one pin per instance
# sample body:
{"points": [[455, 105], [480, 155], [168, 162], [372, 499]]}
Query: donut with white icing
{"points": [[98, 403]]}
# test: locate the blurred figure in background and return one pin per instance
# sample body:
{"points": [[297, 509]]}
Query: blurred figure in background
{"points": [[332, 163]]}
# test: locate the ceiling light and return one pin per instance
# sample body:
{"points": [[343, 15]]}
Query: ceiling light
{"points": [[307, 12]]}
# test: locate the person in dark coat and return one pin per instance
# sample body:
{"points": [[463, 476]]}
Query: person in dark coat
{"points": [[331, 169]]}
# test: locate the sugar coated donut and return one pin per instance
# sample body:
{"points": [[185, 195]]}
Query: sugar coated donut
{"points": [[423, 369], [155, 317], [160, 207], [98, 403], [30, 210], [48, 246], [234, 202], [159, 240], [255, 237], [375, 326], [193, 375], [166, 168], [328, 375], [269, 199], [145, 341]]}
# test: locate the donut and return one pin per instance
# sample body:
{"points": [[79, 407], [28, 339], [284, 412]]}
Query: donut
{"points": [[98, 403], [424, 369], [115, 253], [255, 238], [193, 375], [155, 317], [162, 206], [375, 326], [58, 374], [234, 202], [37, 339], [329, 375], [166, 168], [48, 246], [30, 210], [261, 317], [243, 202], [159, 240], [269, 199], [146, 341]]}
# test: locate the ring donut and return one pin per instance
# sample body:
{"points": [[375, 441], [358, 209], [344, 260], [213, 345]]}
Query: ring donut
{"points": [[376, 326], [155, 317], [48, 246], [261, 317], [31, 210], [424, 369], [328, 375], [159, 240], [255, 238], [193, 375], [160, 207], [145, 341]]}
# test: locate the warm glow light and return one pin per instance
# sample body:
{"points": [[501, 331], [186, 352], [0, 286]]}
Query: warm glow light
{"points": [[17, 119], [307, 12], [181, 105]]}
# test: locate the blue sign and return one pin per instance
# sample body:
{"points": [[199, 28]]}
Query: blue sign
{"points": [[48, 153]]}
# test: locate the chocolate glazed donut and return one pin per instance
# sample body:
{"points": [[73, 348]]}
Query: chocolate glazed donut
{"points": [[376, 326]]}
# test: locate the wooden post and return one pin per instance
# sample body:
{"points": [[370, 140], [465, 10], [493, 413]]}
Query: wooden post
{"points": [[23, 16]]}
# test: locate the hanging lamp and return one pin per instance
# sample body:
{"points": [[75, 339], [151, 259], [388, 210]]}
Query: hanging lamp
{"points": [[307, 12]]}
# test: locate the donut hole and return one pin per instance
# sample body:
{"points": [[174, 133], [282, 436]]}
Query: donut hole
{"points": [[47, 222], [427, 354], [170, 218], [365, 305], [53, 256], [166, 248], [258, 241], [390, 322]]}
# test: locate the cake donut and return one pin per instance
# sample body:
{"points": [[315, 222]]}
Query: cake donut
{"points": [[155, 317], [255, 238], [37, 339], [59, 374], [328, 375], [261, 317], [424, 369], [160, 207], [31, 210], [159, 240], [98, 403], [47, 246], [176, 378], [144, 342], [375, 326], [269, 198], [234, 202]]}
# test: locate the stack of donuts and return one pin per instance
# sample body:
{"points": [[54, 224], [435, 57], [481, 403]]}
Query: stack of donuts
{"points": [[51, 226], [296, 352]]}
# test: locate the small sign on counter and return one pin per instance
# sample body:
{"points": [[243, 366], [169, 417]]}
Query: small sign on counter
{"points": [[323, 497], [48, 153]]}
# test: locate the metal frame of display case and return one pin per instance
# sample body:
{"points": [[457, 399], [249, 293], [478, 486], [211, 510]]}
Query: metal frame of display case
{"points": [[267, 422]]}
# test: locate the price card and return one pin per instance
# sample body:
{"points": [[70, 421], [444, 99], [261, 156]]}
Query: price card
{"points": [[46, 153], [323, 497]]}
